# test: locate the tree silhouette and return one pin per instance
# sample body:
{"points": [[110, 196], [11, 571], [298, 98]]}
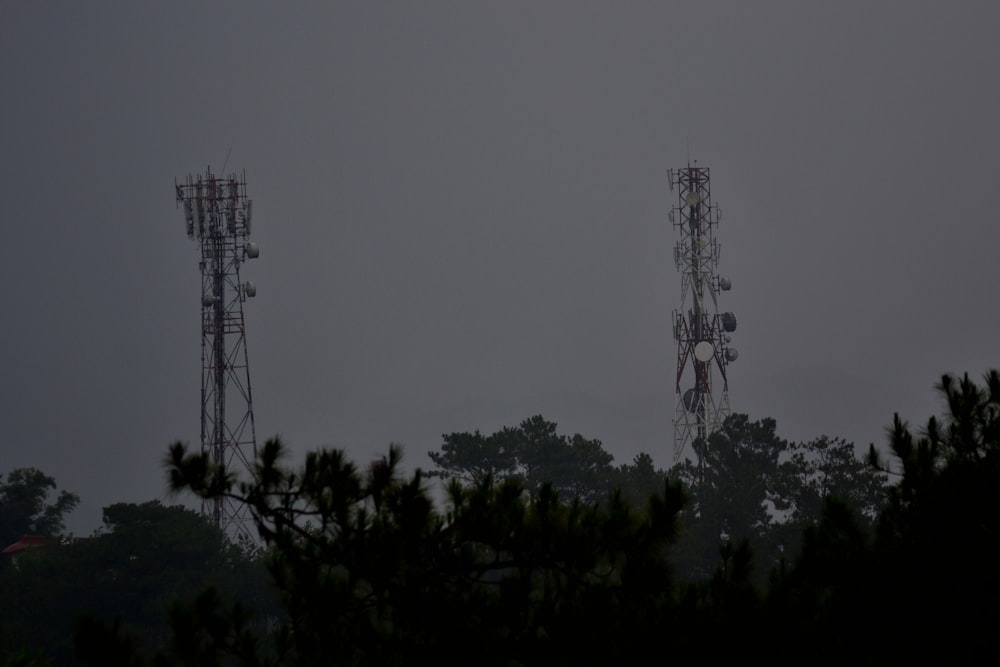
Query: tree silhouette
{"points": [[535, 454], [926, 581], [750, 484], [371, 573], [733, 487], [146, 558], [25, 508]]}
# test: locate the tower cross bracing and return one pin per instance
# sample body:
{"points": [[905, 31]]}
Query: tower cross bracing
{"points": [[701, 331]]}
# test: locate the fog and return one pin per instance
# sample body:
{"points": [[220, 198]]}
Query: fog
{"points": [[462, 214]]}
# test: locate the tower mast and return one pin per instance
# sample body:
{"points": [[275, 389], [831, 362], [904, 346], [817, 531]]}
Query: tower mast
{"points": [[217, 216], [700, 330]]}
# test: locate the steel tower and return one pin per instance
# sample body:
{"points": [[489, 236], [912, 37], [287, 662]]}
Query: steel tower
{"points": [[700, 330], [217, 216]]}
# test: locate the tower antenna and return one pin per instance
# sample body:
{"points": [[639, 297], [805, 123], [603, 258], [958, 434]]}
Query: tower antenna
{"points": [[217, 216], [701, 332]]}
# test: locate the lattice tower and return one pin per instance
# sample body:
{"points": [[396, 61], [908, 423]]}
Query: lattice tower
{"points": [[701, 332], [217, 216]]}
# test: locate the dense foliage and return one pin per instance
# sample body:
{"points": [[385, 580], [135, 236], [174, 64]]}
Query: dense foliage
{"points": [[25, 508], [145, 560], [750, 484], [534, 454], [746, 484], [371, 573], [516, 571], [927, 579]]}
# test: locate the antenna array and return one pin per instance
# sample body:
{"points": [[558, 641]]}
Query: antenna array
{"points": [[217, 216], [701, 332]]}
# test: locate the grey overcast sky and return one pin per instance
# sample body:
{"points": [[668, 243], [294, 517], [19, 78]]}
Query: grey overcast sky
{"points": [[462, 214]]}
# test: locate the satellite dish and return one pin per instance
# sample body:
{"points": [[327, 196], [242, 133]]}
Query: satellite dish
{"points": [[704, 351], [732, 354], [690, 399], [252, 250], [726, 284], [693, 198], [729, 322], [250, 289]]}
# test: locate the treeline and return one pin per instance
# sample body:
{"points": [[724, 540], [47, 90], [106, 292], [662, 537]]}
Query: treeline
{"points": [[141, 569], [745, 483], [546, 552]]}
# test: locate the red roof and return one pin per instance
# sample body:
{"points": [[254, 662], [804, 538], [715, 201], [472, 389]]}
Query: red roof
{"points": [[26, 542]]}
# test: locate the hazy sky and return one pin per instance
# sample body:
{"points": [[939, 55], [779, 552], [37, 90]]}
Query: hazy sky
{"points": [[462, 214]]}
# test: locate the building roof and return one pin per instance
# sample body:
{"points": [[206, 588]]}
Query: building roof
{"points": [[26, 542]]}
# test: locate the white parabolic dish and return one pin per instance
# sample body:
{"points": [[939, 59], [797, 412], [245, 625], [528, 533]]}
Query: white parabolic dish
{"points": [[703, 351]]}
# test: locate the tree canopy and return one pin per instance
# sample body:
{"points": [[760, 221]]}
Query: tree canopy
{"points": [[369, 571], [750, 484], [747, 484], [923, 584], [25, 507], [535, 454], [732, 488], [145, 560]]}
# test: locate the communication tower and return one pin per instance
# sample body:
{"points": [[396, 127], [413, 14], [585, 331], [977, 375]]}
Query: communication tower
{"points": [[217, 216], [700, 330]]}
